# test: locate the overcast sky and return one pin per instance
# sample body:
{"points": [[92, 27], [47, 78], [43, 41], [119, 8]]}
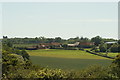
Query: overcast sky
{"points": [[60, 19]]}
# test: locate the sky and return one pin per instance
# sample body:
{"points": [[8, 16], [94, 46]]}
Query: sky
{"points": [[60, 19]]}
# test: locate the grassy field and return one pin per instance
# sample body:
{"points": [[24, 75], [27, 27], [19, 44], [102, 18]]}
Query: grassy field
{"points": [[113, 54], [66, 59], [110, 54], [64, 54]]}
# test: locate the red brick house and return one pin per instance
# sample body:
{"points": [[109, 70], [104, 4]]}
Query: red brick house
{"points": [[48, 45]]}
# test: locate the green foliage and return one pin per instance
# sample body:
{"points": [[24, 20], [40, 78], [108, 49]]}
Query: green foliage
{"points": [[97, 40], [103, 48], [12, 59], [108, 40], [97, 50], [115, 67], [38, 40], [95, 71], [25, 55], [115, 48], [119, 41], [9, 44]]}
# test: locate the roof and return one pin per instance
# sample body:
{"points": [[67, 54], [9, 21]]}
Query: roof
{"points": [[52, 43], [87, 43], [71, 44], [113, 42], [75, 44]]}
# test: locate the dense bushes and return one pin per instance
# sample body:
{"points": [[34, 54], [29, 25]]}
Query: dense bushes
{"points": [[115, 67], [103, 48], [109, 48], [115, 48]]}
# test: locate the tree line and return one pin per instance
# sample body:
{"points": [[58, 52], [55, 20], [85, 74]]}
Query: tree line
{"points": [[98, 42], [96, 39]]}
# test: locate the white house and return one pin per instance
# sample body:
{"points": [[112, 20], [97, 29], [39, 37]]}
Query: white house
{"points": [[75, 44]]}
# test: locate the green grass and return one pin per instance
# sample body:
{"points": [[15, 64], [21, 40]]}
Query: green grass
{"points": [[66, 59], [67, 63], [113, 54], [110, 54], [64, 54]]}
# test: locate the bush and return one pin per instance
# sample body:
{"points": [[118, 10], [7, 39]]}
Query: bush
{"points": [[114, 48], [97, 50], [115, 67], [103, 48]]}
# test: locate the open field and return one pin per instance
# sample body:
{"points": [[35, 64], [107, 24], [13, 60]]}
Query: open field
{"points": [[66, 59], [110, 54], [64, 54]]}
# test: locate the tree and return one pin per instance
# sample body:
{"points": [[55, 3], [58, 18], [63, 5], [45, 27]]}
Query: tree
{"points": [[103, 47], [58, 39], [119, 41], [9, 44], [114, 48], [97, 40], [25, 55], [5, 37]]}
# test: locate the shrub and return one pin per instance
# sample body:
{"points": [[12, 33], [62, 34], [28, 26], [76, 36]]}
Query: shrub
{"points": [[115, 67], [114, 48]]}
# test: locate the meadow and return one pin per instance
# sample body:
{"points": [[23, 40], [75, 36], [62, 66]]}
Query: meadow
{"points": [[66, 59], [111, 54]]}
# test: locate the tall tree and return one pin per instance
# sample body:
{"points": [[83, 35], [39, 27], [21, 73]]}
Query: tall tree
{"points": [[97, 40]]}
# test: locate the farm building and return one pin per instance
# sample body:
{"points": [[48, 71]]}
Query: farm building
{"points": [[113, 42], [86, 43], [73, 45], [49, 45], [81, 44]]}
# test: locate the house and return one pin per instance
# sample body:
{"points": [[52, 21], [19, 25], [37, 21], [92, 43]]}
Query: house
{"points": [[87, 43], [81, 44], [43, 45], [109, 44], [49, 45], [73, 45]]}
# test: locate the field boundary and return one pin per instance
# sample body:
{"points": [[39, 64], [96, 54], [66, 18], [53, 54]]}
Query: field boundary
{"points": [[100, 54]]}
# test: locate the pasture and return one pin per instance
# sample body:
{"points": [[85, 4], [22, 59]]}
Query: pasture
{"points": [[110, 54], [66, 59]]}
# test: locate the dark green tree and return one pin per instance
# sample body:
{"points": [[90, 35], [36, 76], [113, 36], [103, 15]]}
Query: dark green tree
{"points": [[25, 55], [97, 40], [9, 44], [58, 39], [103, 47]]}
